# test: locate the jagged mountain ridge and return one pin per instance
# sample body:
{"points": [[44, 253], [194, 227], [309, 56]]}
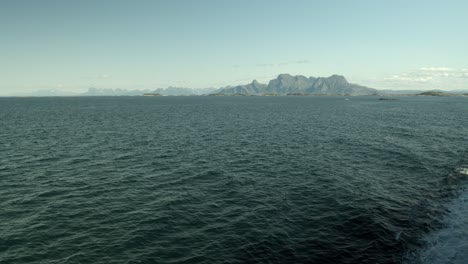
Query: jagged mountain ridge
{"points": [[163, 91], [283, 84], [252, 88], [112, 92], [183, 91], [286, 83]]}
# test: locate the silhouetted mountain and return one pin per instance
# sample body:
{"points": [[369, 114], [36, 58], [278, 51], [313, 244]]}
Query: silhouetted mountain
{"points": [[167, 91], [182, 91], [252, 88], [286, 83], [52, 92], [113, 92]]}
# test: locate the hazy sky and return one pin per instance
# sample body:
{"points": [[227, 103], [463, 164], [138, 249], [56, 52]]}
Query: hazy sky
{"points": [[73, 45]]}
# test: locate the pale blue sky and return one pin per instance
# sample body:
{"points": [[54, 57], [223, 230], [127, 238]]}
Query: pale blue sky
{"points": [[73, 45]]}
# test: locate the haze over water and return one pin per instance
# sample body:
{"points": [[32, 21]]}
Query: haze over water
{"points": [[233, 180]]}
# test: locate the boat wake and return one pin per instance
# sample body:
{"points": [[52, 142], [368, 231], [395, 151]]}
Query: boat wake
{"points": [[448, 244], [463, 171]]}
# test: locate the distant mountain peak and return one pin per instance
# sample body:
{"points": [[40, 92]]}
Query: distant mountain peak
{"points": [[284, 76], [337, 76], [286, 83], [338, 79], [252, 88]]}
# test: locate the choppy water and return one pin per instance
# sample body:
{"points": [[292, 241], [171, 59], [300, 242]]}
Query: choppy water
{"points": [[233, 180]]}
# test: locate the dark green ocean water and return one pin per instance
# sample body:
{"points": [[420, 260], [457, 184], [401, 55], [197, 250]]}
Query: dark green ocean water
{"points": [[233, 180]]}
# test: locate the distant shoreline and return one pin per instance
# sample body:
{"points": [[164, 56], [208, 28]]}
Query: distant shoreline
{"points": [[424, 94]]}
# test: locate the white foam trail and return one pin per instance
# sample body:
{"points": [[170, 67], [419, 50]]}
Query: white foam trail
{"points": [[463, 171], [449, 244]]}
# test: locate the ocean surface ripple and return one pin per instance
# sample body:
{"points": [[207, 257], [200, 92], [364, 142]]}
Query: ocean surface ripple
{"points": [[233, 180]]}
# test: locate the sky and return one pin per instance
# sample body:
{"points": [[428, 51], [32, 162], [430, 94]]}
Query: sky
{"points": [[72, 45]]}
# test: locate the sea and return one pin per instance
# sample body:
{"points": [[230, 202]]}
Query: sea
{"points": [[200, 179]]}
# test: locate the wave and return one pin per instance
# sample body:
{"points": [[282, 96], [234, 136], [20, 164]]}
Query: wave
{"points": [[463, 171], [449, 244]]}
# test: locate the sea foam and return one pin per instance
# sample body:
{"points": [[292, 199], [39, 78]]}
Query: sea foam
{"points": [[450, 243], [463, 171]]}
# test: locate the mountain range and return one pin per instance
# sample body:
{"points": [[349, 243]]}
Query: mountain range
{"points": [[162, 91], [112, 92], [287, 84], [282, 85]]}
